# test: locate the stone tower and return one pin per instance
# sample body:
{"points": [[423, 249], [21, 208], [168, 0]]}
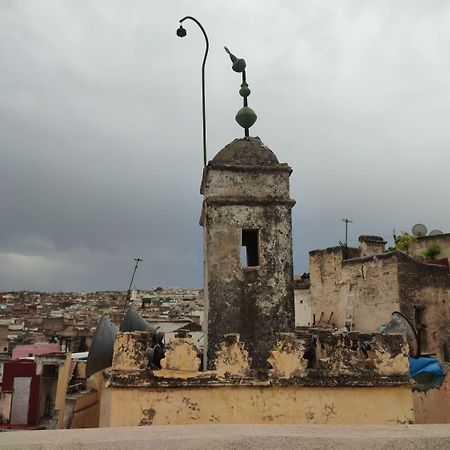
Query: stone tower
{"points": [[246, 218]]}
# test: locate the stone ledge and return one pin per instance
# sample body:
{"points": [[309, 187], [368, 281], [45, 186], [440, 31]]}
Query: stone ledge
{"points": [[249, 201], [278, 167], [316, 378]]}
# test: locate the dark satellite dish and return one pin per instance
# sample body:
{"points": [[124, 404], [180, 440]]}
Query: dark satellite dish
{"points": [[399, 324], [419, 230], [435, 233], [133, 321], [101, 352]]}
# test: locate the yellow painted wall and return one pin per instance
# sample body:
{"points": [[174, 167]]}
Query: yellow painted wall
{"points": [[256, 405], [86, 418], [433, 406]]}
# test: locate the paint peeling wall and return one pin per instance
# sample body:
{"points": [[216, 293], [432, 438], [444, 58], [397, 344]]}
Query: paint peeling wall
{"points": [[260, 405], [314, 377]]}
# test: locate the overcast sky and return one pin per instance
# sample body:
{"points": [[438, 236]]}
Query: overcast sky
{"points": [[100, 127]]}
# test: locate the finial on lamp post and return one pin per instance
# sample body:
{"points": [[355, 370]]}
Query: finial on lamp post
{"points": [[245, 117]]}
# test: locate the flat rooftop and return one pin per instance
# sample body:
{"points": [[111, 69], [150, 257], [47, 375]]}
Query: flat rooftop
{"points": [[199, 437]]}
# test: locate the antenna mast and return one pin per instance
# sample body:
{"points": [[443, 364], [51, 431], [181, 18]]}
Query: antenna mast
{"points": [[347, 221], [127, 299]]}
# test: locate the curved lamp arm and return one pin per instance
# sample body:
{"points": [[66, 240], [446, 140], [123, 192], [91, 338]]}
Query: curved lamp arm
{"points": [[181, 32]]}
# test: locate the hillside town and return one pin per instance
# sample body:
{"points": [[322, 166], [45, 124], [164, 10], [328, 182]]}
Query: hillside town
{"points": [[50, 335], [69, 319]]}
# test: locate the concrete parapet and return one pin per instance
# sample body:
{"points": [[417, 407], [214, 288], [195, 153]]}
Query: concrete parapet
{"points": [[232, 358], [286, 358], [181, 354], [129, 351]]}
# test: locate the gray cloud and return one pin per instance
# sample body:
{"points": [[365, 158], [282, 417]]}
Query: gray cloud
{"points": [[100, 127]]}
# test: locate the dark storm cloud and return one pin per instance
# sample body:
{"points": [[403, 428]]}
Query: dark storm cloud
{"points": [[100, 127]]}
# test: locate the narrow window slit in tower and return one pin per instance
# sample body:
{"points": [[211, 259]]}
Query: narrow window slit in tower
{"points": [[249, 250]]}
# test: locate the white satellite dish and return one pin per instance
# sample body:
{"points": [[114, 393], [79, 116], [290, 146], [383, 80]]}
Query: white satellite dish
{"points": [[435, 233], [419, 230]]}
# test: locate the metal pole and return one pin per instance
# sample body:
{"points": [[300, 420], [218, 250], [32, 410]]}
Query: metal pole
{"points": [[244, 81], [245, 117], [181, 32], [347, 221], [127, 299]]}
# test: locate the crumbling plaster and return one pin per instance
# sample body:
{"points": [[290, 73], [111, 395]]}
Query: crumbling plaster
{"points": [[342, 379], [245, 187], [382, 284]]}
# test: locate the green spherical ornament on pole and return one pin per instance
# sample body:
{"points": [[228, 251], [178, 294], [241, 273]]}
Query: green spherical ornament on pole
{"points": [[245, 117]]}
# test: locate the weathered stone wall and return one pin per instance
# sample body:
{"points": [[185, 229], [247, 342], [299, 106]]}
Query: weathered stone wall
{"points": [[375, 286], [245, 187], [324, 270], [251, 181], [370, 248], [443, 240], [424, 287], [375, 282], [254, 302], [302, 306], [372, 281], [315, 377]]}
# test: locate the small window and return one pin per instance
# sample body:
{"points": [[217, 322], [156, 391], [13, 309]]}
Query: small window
{"points": [[249, 249], [418, 315]]}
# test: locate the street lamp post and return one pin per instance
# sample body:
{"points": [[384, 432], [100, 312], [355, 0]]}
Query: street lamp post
{"points": [[181, 32]]}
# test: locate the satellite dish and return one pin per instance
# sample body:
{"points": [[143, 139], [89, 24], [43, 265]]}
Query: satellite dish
{"points": [[419, 230], [101, 352], [435, 233], [133, 321], [399, 324]]}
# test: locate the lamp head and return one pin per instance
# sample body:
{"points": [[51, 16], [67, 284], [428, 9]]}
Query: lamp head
{"points": [[181, 32]]}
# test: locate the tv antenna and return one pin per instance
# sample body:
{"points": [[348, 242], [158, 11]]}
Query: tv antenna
{"points": [[347, 221], [127, 299]]}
